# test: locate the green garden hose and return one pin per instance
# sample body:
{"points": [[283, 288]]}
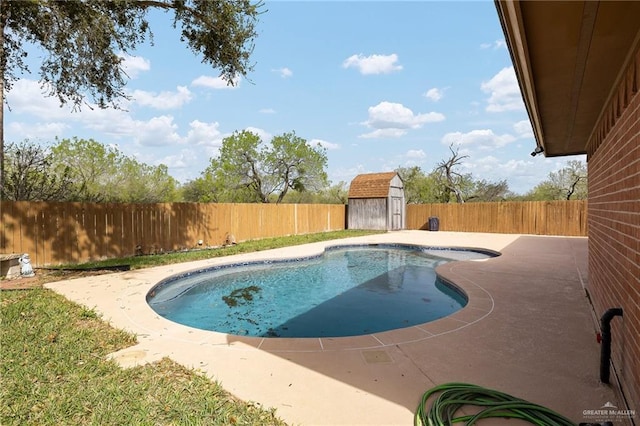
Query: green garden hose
{"points": [[491, 403]]}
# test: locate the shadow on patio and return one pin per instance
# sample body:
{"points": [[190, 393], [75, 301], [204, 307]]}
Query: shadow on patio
{"points": [[536, 341]]}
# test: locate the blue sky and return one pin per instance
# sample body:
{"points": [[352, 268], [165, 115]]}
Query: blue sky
{"points": [[379, 84]]}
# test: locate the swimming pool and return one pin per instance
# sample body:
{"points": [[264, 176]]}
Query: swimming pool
{"points": [[346, 291]]}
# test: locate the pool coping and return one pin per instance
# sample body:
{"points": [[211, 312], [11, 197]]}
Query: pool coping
{"points": [[378, 379]]}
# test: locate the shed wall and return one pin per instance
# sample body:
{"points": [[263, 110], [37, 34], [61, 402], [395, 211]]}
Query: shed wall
{"points": [[367, 213]]}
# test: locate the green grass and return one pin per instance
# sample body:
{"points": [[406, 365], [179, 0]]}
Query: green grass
{"points": [[54, 369], [54, 372], [137, 262]]}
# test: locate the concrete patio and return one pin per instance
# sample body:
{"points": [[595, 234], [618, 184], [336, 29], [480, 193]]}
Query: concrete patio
{"points": [[527, 330]]}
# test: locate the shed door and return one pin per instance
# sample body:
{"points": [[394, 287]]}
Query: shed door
{"points": [[396, 213]]}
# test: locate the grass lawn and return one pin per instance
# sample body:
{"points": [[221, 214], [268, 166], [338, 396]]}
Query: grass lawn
{"points": [[137, 262], [54, 369]]}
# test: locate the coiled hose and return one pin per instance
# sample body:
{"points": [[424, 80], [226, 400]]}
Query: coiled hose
{"points": [[492, 403]]}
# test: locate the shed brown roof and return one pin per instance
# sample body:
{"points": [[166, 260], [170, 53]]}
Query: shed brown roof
{"points": [[371, 185]]}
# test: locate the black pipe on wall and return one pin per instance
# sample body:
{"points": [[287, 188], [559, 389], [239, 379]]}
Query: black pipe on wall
{"points": [[605, 350]]}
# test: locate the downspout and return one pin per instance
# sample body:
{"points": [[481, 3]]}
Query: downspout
{"points": [[605, 350]]}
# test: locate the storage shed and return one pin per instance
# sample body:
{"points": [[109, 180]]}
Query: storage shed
{"points": [[376, 201]]}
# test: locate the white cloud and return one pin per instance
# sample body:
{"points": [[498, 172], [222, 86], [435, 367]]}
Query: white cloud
{"points": [[134, 65], [324, 144], [284, 72], [483, 139], [523, 129], [434, 94], [267, 111], [112, 122], [390, 115], [416, 154], [158, 131], [47, 131], [216, 82], [347, 174], [28, 97], [201, 133], [494, 169], [384, 133], [181, 160], [504, 92], [498, 44], [162, 100], [373, 64]]}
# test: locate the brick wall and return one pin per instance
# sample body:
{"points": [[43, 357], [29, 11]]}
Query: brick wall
{"points": [[614, 226]]}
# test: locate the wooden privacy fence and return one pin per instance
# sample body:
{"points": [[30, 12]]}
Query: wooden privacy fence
{"points": [[568, 218], [60, 233]]}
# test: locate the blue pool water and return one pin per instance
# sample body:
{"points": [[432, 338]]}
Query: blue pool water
{"points": [[347, 291]]}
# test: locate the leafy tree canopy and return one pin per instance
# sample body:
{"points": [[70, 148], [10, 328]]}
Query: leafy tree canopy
{"points": [[84, 42], [30, 175], [95, 169], [444, 184], [104, 174], [485, 191], [419, 187], [334, 194], [83, 170], [248, 170], [568, 183]]}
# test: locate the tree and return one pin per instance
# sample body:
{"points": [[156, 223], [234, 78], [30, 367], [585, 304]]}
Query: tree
{"points": [[450, 180], [444, 184], [246, 170], [210, 187], [147, 184], [419, 187], [334, 194], [31, 175], [84, 170], [96, 169], [102, 173], [294, 164], [567, 183], [239, 173], [85, 40], [200, 190], [485, 191]]}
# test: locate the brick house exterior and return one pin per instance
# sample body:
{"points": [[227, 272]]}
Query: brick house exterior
{"points": [[614, 225], [578, 66]]}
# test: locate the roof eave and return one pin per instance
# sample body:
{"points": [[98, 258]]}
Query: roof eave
{"points": [[510, 16]]}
